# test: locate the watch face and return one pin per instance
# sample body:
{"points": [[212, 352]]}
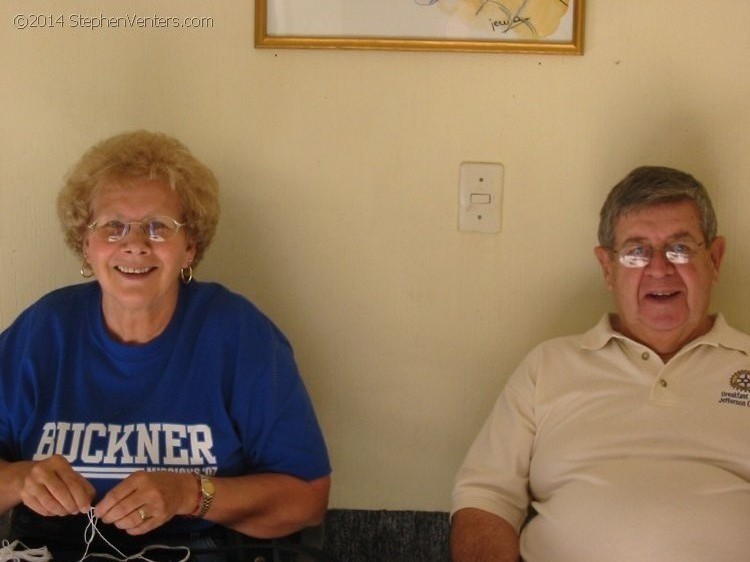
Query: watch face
{"points": [[208, 486]]}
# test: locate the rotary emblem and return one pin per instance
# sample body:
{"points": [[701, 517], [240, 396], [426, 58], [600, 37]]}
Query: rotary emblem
{"points": [[740, 380]]}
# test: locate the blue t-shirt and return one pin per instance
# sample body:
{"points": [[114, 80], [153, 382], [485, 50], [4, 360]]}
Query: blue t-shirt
{"points": [[217, 392]]}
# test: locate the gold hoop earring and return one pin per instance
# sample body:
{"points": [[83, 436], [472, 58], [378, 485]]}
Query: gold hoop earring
{"points": [[186, 274], [86, 270]]}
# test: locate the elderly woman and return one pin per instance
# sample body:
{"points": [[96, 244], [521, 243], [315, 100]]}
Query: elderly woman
{"points": [[167, 407]]}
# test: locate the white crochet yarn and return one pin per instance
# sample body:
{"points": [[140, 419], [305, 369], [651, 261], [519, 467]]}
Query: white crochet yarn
{"points": [[16, 551]]}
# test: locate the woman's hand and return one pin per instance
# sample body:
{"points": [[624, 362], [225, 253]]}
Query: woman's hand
{"points": [[52, 487], [258, 505], [146, 500]]}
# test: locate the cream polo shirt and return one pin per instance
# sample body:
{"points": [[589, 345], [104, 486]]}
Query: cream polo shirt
{"points": [[622, 457]]}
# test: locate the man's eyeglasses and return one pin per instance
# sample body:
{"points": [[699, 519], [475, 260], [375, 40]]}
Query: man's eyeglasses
{"points": [[640, 255], [156, 229]]}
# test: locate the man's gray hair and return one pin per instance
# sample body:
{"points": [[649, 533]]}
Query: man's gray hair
{"points": [[647, 186]]}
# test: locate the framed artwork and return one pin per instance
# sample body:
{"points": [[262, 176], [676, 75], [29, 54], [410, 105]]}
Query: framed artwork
{"points": [[520, 26]]}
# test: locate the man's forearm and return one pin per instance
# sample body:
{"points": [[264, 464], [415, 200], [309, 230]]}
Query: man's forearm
{"points": [[480, 536]]}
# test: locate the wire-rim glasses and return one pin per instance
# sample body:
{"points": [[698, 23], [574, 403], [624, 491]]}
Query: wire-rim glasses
{"points": [[640, 255], [156, 229]]}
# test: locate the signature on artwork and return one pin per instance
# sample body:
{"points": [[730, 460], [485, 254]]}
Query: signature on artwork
{"points": [[504, 25], [536, 18], [512, 19]]}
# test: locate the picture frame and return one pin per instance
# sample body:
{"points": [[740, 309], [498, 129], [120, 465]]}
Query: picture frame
{"points": [[510, 26]]}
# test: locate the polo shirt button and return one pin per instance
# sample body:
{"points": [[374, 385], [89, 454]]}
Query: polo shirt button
{"points": [[645, 355], [663, 383]]}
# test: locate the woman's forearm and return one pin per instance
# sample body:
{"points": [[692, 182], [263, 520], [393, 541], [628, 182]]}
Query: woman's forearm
{"points": [[269, 505]]}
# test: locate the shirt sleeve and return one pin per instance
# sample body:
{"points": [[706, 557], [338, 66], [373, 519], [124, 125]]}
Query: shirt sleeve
{"points": [[14, 346], [494, 476], [280, 429]]}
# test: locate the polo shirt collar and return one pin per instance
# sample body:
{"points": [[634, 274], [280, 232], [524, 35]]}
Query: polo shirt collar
{"points": [[720, 335]]}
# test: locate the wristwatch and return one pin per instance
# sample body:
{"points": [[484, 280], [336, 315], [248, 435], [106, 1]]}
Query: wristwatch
{"points": [[206, 495]]}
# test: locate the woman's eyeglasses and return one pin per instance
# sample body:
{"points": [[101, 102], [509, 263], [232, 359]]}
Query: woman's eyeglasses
{"points": [[156, 229]]}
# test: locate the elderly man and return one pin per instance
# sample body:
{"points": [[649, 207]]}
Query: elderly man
{"points": [[630, 442]]}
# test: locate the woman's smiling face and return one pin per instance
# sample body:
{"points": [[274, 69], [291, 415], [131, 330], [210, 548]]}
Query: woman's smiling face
{"points": [[137, 274]]}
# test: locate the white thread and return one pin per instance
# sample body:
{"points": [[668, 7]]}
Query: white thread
{"points": [[91, 532], [9, 553]]}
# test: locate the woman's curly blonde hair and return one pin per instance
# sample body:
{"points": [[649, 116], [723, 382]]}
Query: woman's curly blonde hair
{"points": [[133, 155]]}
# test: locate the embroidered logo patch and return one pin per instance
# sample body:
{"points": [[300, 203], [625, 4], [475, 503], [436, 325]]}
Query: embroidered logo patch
{"points": [[740, 380], [740, 394]]}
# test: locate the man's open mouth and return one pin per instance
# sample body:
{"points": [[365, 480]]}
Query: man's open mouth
{"points": [[663, 295]]}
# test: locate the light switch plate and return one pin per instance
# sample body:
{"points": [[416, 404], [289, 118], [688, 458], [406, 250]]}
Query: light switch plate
{"points": [[480, 197]]}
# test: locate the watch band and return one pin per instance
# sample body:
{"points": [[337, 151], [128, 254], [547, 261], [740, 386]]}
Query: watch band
{"points": [[205, 495]]}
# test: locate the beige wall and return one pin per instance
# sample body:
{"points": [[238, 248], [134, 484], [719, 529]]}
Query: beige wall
{"points": [[340, 190]]}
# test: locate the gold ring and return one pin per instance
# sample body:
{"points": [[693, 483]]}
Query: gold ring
{"points": [[142, 514]]}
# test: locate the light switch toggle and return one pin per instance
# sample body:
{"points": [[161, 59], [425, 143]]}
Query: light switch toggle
{"points": [[480, 198], [480, 194]]}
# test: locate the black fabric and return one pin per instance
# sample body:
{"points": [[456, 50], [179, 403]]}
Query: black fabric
{"points": [[26, 524], [65, 537], [349, 535], [358, 535]]}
